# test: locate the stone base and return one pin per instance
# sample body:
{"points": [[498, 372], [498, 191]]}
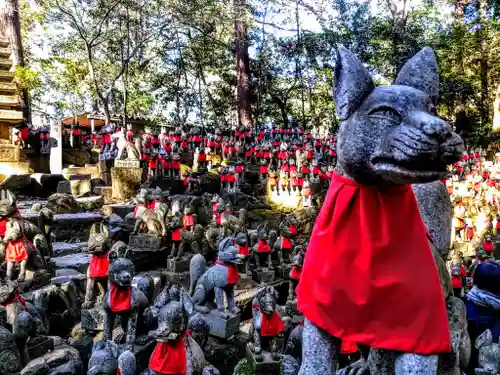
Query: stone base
{"points": [[178, 266], [44, 185], [245, 282], [121, 210], [93, 319], [283, 271], [181, 278], [105, 191], [266, 365], [265, 276], [35, 280], [223, 326], [145, 242], [39, 345], [65, 356]]}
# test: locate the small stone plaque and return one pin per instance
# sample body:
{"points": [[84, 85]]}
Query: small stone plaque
{"points": [[145, 242], [93, 319], [266, 365], [181, 265], [223, 325], [127, 163]]}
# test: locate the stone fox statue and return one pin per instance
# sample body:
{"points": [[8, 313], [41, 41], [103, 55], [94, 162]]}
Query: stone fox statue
{"points": [[176, 351], [121, 298], [209, 283], [363, 291]]}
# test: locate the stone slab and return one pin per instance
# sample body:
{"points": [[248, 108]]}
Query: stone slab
{"points": [[77, 177], [17, 182], [93, 319], [121, 210], [39, 346], [105, 191], [45, 184], [125, 182], [93, 203], [9, 153], [222, 326], [266, 366], [92, 170], [78, 262], [64, 187], [64, 248]]}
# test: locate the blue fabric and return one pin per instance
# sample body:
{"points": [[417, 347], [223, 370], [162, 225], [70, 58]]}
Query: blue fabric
{"points": [[487, 277], [483, 318]]}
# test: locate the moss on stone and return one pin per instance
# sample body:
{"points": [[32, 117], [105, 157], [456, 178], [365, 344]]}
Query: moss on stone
{"points": [[243, 368]]}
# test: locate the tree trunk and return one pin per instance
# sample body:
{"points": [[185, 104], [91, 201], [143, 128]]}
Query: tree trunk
{"points": [[484, 107], [242, 65], [461, 120], [10, 28]]}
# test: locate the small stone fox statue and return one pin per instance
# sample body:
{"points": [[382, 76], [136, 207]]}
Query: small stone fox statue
{"points": [[97, 273], [390, 137]]}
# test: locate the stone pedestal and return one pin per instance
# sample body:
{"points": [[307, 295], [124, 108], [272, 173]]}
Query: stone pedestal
{"points": [[245, 282], [148, 250], [145, 242], [80, 184], [178, 265], [266, 365], [265, 276], [223, 325], [283, 271], [125, 182], [93, 319]]}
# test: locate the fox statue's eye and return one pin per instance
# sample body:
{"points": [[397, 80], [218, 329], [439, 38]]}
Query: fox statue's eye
{"points": [[386, 112]]}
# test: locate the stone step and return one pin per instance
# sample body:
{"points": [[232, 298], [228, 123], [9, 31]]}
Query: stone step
{"points": [[4, 43], [6, 114], [8, 87], [5, 52], [8, 101], [67, 248], [78, 262], [5, 64], [6, 76]]}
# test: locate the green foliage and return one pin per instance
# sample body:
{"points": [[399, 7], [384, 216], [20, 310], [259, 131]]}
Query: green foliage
{"points": [[175, 61]]}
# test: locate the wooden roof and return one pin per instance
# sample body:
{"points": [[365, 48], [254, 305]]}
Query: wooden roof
{"points": [[85, 118]]}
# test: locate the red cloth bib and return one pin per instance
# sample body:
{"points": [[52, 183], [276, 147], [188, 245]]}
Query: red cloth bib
{"points": [[218, 219], [293, 229], [358, 283], [271, 324], [188, 220], [99, 265], [263, 247], [232, 273], [286, 243], [16, 251], [488, 246], [169, 357], [243, 250], [176, 234], [139, 209], [120, 299], [348, 347], [296, 273], [3, 226], [15, 298]]}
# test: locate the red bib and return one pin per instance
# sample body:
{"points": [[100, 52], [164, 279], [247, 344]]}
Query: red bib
{"points": [[218, 219], [296, 273], [263, 247], [358, 283], [99, 264], [286, 243], [15, 298], [232, 273], [243, 250], [120, 299], [169, 358], [293, 229], [271, 324], [488, 246], [176, 234], [188, 220], [16, 251], [348, 347], [3, 226]]}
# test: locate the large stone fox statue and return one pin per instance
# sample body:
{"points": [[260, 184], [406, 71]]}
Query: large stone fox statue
{"points": [[369, 243]]}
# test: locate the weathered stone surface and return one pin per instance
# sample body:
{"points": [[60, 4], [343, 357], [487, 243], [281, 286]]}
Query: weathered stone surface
{"points": [[233, 350], [9, 153], [93, 319], [79, 262], [94, 203], [75, 156], [266, 366], [63, 360], [17, 183], [178, 266], [265, 276], [64, 187], [158, 279], [121, 210], [91, 170], [105, 191], [39, 345], [145, 242], [45, 184], [223, 326], [125, 182], [80, 187], [65, 275], [64, 248]]}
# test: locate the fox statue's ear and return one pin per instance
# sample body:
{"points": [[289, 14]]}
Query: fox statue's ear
{"points": [[421, 72], [353, 83]]}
